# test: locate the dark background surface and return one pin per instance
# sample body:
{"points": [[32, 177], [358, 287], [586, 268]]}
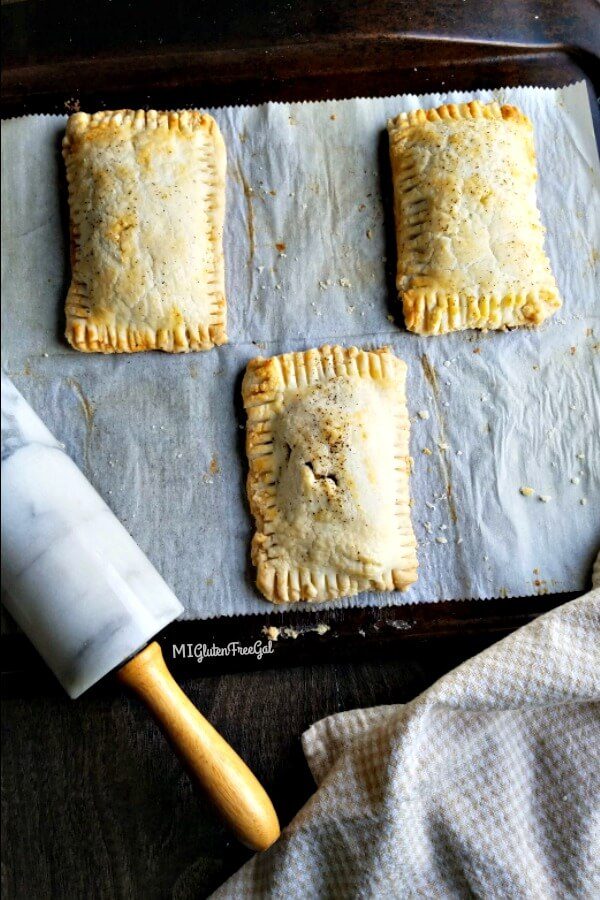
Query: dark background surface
{"points": [[94, 804]]}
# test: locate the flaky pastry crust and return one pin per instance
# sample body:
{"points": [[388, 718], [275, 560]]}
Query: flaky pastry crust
{"points": [[147, 204], [328, 484], [469, 235]]}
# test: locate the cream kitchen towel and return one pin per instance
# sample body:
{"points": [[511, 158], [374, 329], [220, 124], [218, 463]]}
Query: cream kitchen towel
{"points": [[486, 785]]}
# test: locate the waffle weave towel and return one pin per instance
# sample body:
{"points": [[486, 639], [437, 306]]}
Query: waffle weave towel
{"points": [[486, 785]]}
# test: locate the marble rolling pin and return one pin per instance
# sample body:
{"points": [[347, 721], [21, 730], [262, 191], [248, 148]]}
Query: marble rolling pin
{"points": [[90, 601]]}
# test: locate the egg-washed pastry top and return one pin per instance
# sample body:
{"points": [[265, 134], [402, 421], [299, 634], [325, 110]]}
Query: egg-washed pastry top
{"points": [[470, 239], [327, 442], [147, 202]]}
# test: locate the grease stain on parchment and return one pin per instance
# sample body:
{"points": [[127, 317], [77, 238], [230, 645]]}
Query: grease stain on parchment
{"points": [[88, 413], [249, 195], [432, 379]]}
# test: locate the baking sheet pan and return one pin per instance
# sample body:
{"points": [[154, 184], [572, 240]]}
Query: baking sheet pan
{"points": [[308, 262]]}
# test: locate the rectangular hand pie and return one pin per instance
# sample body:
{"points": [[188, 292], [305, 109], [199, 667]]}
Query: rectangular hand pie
{"points": [[470, 240], [327, 444], [147, 202]]}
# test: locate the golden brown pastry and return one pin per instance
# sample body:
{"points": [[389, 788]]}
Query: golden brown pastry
{"points": [[327, 444], [470, 240], [147, 202]]}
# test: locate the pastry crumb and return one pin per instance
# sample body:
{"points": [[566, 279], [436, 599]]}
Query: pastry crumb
{"points": [[583, 501], [527, 491], [545, 498], [390, 318], [345, 283], [426, 451], [369, 233], [423, 414], [575, 480], [443, 446], [581, 456], [271, 632], [441, 540]]}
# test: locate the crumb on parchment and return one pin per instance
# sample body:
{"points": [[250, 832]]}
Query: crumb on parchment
{"points": [[273, 633], [526, 491]]}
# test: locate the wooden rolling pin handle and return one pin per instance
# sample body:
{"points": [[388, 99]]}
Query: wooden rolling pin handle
{"points": [[226, 779]]}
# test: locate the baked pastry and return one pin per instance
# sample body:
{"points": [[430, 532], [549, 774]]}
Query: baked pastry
{"points": [[327, 444], [147, 202], [470, 240]]}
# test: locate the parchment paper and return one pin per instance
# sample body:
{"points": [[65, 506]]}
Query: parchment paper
{"points": [[310, 259]]}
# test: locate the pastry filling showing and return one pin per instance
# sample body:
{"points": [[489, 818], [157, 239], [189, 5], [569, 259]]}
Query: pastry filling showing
{"points": [[331, 457]]}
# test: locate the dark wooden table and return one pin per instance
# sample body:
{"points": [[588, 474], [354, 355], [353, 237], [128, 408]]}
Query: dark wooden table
{"points": [[93, 802], [95, 805]]}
